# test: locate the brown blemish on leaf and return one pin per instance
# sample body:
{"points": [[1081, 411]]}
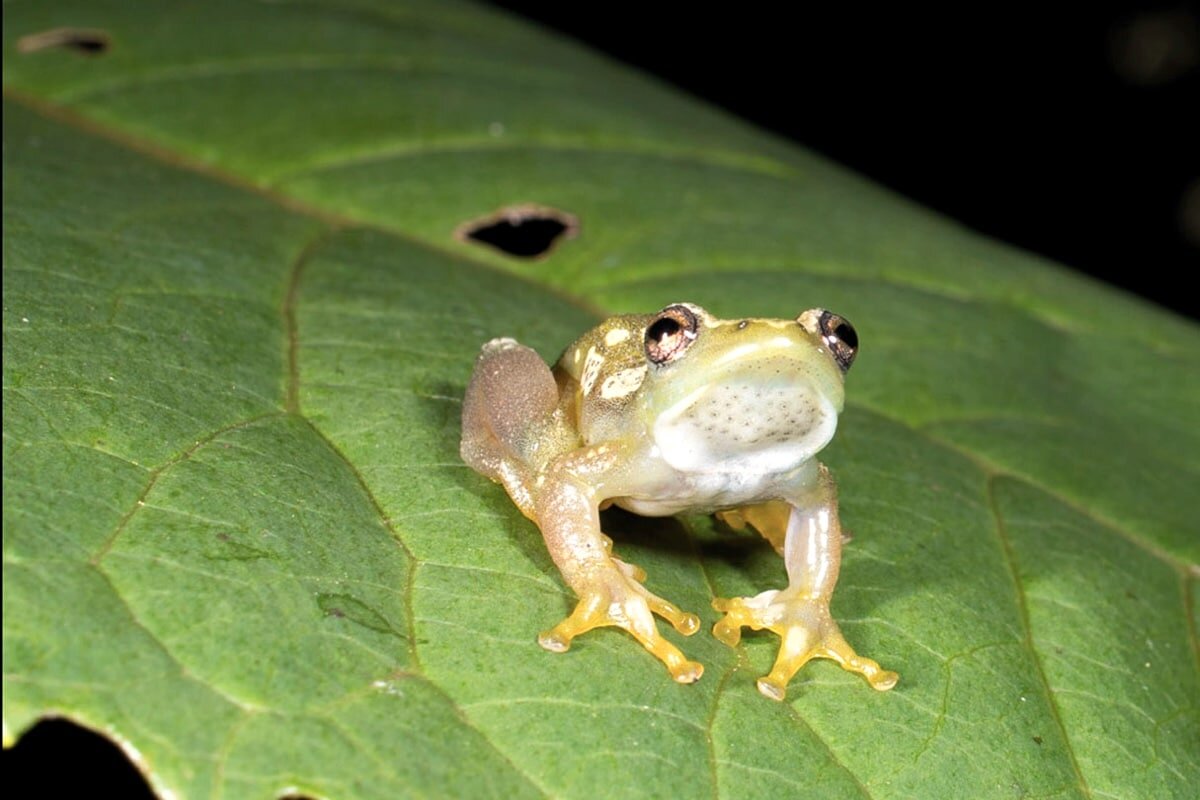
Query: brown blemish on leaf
{"points": [[86, 41]]}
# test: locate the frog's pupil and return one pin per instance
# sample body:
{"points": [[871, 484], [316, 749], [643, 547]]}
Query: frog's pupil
{"points": [[847, 334], [663, 329]]}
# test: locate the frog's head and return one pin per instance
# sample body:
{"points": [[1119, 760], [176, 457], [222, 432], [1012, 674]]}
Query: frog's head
{"points": [[753, 394]]}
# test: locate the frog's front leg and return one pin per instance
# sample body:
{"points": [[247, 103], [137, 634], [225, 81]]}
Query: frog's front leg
{"points": [[812, 547], [568, 494]]}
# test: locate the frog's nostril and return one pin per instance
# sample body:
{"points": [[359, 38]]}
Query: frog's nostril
{"points": [[525, 231]]}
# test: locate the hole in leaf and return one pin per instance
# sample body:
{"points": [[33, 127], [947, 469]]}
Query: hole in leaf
{"points": [[525, 231], [62, 759], [86, 41]]}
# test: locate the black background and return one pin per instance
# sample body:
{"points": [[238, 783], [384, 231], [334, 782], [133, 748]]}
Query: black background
{"points": [[1066, 132]]}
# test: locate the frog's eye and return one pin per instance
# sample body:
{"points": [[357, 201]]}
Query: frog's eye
{"points": [[839, 336], [670, 334]]}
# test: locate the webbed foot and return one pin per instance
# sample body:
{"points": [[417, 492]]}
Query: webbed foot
{"points": [[807, 630], [617, 598]]}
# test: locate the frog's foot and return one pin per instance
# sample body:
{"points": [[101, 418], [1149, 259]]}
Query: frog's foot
{"points": [[618, 598], [807, 631]]}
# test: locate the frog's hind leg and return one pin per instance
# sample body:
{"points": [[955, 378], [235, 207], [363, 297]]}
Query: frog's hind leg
{"points": [[770, 519], [511, 396]]}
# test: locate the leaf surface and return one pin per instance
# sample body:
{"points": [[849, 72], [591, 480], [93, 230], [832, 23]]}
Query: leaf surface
{"points": [[237, 535]]}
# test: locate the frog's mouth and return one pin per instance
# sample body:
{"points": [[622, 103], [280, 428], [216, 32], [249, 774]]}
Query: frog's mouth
{"points": [[766, 414]]}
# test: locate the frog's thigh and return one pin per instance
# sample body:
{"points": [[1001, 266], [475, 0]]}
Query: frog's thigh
{"points": [[511, 395], [510, 392], [770, 519]]}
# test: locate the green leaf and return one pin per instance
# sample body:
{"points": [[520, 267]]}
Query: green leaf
{"points": [[238, 538]]}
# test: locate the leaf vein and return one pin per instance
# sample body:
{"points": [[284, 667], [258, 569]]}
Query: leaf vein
{"points": [[413, 562], [158, 472], [1010, 561]]}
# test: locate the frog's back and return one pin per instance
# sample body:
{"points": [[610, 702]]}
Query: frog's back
{"points": [[602, 372]]}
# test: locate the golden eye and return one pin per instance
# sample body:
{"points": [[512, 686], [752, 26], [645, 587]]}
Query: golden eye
{"points": [[670, 333], [840, 337]]}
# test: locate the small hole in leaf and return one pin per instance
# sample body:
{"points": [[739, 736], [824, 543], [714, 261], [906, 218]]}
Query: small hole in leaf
{"points": [[63, 759], [86, 41], [525, 231]]}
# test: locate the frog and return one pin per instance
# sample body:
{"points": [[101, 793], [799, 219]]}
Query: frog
{"points": [[670, 413]]}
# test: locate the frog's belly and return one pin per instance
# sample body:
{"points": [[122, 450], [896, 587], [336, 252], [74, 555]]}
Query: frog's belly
{"points": [[703, 493]]}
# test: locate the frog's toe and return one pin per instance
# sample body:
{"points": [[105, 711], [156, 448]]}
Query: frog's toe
{"points": [[682, 621], [554, 640], [796, 648], [729, 628], [741, 612], [589, 613], [772, 689], [687, 671], [630, 570], [835, 647]]}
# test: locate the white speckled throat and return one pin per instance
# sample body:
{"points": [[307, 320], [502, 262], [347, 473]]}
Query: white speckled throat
{"points": [[763, 408]]}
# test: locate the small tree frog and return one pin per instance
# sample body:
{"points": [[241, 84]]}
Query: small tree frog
{"points": [[666, 413]]}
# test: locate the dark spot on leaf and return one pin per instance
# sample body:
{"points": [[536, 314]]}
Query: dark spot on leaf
{"points": [[97, 767], [1037, 740], [231, 550], [525, 231], [343, 606], [86, 41]]}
